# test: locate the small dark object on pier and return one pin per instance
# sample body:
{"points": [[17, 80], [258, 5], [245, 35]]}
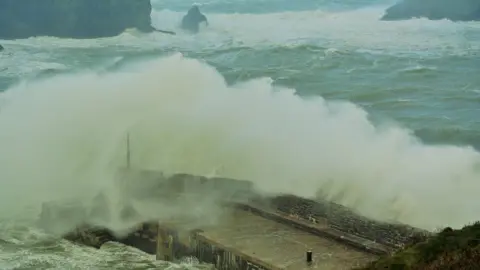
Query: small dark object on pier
{"points": [[309, 256]]}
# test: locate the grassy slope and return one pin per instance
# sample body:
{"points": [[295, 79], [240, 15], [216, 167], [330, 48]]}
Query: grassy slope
{"points": [[449, 249]]}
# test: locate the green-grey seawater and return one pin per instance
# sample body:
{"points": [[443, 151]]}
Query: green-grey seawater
{"points": [[315, 92]]}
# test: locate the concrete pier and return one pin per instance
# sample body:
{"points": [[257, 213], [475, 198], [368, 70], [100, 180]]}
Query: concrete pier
{"points": [[251, 231], [269, 244]]}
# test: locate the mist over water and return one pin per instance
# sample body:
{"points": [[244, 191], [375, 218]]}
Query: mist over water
{"points": [[65, 136], [315, 98]]}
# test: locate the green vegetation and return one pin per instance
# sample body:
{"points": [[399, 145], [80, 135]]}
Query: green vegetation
{"points": [[448, 249]]}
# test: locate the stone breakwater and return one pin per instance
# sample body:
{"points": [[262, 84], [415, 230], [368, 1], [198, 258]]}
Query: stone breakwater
{"points": [[341, 218]]}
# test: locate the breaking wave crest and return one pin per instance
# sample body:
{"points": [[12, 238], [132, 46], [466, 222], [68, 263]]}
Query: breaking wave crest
{"points": [[64, 137]]}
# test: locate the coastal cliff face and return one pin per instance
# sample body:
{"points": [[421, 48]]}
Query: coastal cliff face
{"points": [[458, 10], [72, 18]]}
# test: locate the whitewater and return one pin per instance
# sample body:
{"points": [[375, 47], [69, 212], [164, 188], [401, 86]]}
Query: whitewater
{"points": [[311, 98]]}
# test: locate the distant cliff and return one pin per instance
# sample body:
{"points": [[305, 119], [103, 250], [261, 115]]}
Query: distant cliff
{"points": [[72, 18], [454, 10]]}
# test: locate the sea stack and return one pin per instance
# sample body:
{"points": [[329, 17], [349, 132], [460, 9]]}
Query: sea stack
{"points": [[72, 18]]}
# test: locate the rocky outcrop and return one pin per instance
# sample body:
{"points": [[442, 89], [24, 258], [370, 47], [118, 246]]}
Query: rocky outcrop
{"points": [[72, 18], [192, 20], [56, 216], [458, 10], [92, 237], [143, 238]]}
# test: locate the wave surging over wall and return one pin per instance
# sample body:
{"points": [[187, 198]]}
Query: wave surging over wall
{"points": [[65, 136]]}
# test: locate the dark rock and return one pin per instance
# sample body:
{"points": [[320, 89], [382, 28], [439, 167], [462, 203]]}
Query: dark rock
{"points": [[1, 48], [459, 10], [90, 236], [142, 237], [192, 20], [72, 18]]}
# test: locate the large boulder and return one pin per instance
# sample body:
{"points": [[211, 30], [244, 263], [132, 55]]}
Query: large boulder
{"points": [[458, 10], [72, 18]]}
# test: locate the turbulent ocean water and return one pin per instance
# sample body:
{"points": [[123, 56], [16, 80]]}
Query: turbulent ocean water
{"points": [[306, 97]]}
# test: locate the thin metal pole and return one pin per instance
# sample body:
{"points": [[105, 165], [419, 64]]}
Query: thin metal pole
{"points": [[128, 150]]}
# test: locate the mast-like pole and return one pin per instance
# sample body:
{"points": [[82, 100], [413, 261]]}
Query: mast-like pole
{"points": [[128, 150]]}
